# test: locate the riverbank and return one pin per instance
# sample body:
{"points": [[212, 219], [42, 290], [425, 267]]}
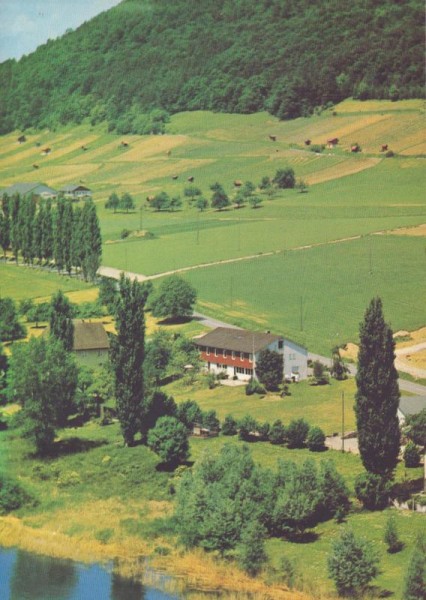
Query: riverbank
{"points": [[194, 573]]}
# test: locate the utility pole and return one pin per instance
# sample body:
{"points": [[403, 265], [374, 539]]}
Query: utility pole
{"points": [[301, 313], [343, 421]]}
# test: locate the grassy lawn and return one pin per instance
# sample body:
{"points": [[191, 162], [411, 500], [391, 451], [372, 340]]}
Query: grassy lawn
{"points": [[319, 405], [25, 282]]}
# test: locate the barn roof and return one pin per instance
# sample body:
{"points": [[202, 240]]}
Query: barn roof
{"points": [[89, 336], [412, 405], [72, 187], [25, 189], [239, 340]]}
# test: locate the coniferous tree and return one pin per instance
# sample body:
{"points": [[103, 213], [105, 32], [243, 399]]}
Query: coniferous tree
{"points": [[4, 232], [127, 356], [415, 582], [77, 238], [252, 554], [377, 397], [27, 217], [60, 323], [15, 234]]}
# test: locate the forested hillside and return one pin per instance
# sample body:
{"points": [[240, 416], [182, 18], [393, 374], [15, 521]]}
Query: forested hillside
{"points": [[133, 63]]}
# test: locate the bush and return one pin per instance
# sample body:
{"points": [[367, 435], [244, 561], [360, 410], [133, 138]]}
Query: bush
{"points": [[390, 154], [125, 233], [211, 381], [229, 426], [315, 439], [372, 490], [252, 553], [254, 387], [169, 439], [411, 455], [284, 178], [391, 536], [247, 427], [352, 564], [12, 495], [320, 375], [297, 432], [277, 433]]}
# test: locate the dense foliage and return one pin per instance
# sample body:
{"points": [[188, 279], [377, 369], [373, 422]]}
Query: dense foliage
{"points": [[71, 236], [174, 299], [223, 496], [228, 55], [377, 397]]}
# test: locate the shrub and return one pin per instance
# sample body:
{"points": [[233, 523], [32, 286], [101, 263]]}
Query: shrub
{"points": [[210, 420], [320, 375], [297, 432], [315, 439], [263, 430], [352, 564], [390, 154], [211, 381], [229, 426], [372, 490], [69, 479], [169, 439], [391, 536], [104, 535], [415, 581], [277, 433], [252, 553], [411, 455], [12, 495], [247, 426], [125, 233], [254, 387]]}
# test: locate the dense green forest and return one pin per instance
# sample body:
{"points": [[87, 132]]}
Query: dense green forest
{"points": [[137, 62]]}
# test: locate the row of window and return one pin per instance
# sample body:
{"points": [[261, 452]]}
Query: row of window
{"points": [[225, 353], [242, 371]]}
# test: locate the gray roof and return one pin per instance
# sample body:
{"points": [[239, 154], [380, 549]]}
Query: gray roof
{"points": [[72, 187], [412, 405], [239, 340], [89, 336], [24, 189]]}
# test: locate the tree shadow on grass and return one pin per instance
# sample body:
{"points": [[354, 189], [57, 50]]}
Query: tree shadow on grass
{"points": [[377, 592], [74, 445], [167, 468], [307, 537], [176, 320]]}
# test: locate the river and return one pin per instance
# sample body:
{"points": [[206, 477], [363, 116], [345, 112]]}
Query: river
{"points": [[26, 576]]}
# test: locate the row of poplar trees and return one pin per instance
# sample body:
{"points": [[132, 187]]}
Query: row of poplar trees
{"points": [[68, 235]]}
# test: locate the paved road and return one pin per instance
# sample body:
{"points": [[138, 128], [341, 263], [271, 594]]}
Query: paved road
{"points": [[407, 386]]}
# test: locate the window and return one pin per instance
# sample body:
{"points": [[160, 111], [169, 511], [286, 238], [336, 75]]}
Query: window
{"points": [[280, 344], [224, 353], [233, 354], [292, 356], [250, 357], [249, 371], [208, 350], [241, 355], [215, 352], [239, 370]]}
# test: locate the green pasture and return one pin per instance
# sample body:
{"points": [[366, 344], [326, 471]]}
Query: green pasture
{"points": [[318, 296], [319, 405], [20, 282]]}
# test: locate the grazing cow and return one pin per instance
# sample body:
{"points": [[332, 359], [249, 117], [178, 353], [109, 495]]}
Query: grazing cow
{"points": [[273, 138], [169, 152], [355, 148], [22, 139], [307, 142], [150, 198], [384, 148], [124, 144], [46, 151], [35, 166], [84, 148], [238, 183], [175, 176], [191, 179]]}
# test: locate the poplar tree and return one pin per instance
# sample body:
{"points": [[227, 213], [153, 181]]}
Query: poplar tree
{"points": [[77, 238], [67, 228], [26, 217], [377, 397], [47, 234], [127, 356], [15, 234], [60, 324], [4, 232], [37, 234], [58, 238], [91, 240]]}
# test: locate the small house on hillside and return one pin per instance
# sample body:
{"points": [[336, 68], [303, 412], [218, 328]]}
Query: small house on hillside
{"points": [[332, 142], [76, 192], [410, 405], [24, 189], [90, 340], [234, 352]]}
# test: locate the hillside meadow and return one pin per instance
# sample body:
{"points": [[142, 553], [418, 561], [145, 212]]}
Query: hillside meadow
{"points": [[301, 281]]}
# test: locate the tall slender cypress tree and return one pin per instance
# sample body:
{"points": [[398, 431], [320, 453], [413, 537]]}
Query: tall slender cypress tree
{"points": [[58, 237], [47, 235], [60, 323], [37, 234], [15, 233], [91, 240], [67, 226], [377, 398], [127, 356]]}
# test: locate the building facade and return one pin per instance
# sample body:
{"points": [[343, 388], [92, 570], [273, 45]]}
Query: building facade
{"points": [[234, 352]]}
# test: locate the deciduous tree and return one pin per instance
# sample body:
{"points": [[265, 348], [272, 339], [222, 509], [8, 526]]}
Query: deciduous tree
{"points": [[174, 299], [269, 369], [60, 323], [169, 439]]}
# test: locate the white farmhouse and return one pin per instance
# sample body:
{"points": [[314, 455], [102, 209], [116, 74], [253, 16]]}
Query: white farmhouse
{"points": [[235, 352]]}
